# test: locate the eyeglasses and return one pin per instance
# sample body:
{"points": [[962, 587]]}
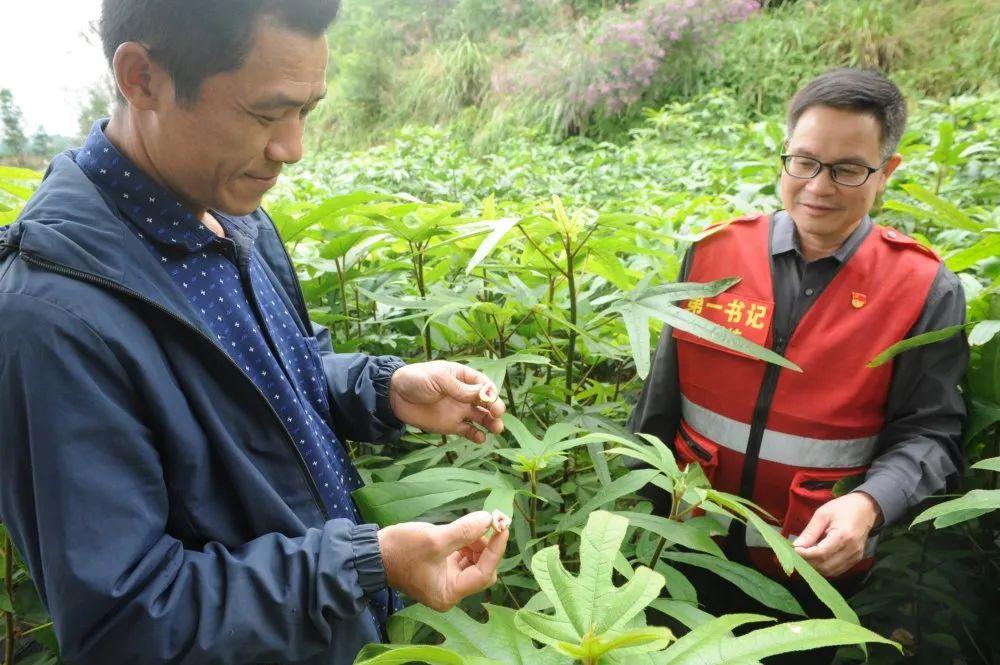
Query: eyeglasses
{"points": [[848, 174]]}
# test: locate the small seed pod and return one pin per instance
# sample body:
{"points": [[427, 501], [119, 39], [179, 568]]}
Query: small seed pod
{"points": [[487, 395], [500, 521]]}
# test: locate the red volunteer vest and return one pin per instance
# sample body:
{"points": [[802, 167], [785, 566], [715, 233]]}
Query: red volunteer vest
{"points": [[821, 425]]}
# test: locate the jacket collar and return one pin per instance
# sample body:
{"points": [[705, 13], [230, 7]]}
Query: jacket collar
{"points": [[72, 224]]}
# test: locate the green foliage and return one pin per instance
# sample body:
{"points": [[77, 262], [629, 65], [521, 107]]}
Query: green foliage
{"points": [[540, 264], [593, 620], [583, 67]]}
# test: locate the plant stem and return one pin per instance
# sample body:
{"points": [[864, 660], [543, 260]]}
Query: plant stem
{"points": [[571, 349], [418, 269], [533, 504], [657, 552], [357, 308]]}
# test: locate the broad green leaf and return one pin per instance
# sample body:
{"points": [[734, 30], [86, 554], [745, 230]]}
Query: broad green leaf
{"points": [[790, 561], [982, 415], [685, 613], [964, 259], [708, 635], [974, 503], [628, 484], [325, 210], [384, 654], [500, 228], [447, 474], [392, 503], [678, 586], [23, 193], [496, 368], [915, 342], [989, 464], [18, 173], [590, 614], [525, 439], [983, 332], [774, 640], [501, 499], [751, 582], [942, 212], [690, 322], [497, 639], [680, 533]]}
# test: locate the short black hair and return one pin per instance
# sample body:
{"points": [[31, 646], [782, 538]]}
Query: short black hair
{"points": [[862, 90], [196, 39]]}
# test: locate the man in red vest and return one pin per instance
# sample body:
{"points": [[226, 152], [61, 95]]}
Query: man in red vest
{"points": [[826, 287]]}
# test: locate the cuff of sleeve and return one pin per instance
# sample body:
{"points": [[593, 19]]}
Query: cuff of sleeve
{"points": [[891, 500], [385, 367], [368, 558]]}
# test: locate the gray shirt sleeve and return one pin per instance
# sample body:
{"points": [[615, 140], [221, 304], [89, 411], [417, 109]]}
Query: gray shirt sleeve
{"points": [[919, 449]]}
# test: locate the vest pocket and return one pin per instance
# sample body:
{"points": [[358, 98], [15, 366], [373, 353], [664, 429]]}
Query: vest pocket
{"points": [[693, 447], [810, 489]]}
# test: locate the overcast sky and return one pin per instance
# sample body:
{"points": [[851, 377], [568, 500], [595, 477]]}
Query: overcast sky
{"points": [[46, 61]]}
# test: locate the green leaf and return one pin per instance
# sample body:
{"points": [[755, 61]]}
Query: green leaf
{"points": [[383, 654], [751, 582], [497, 639], [500, 228], [987, 248], [496, 368], [942, 213], [915, 342], [18, 173], [679, 533], [685, 613], [974, 503], [989, 464], [591, 615], [392, 503], [628, 484], [501, 499], [983, 332], [697, 325], [790, 561], [783, 638], [708, 635]]}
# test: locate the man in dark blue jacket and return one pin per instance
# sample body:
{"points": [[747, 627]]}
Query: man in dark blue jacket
{"points": [[172, 423]]}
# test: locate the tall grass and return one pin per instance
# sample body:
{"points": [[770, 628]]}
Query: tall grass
{"points": [[490, 66]]}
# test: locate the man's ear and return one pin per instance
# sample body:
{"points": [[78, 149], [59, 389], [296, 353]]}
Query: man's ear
{"points": [[891, 165], [141, 80]]}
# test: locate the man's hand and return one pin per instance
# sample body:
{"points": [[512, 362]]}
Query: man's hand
{"points": [[440, 565], [446, 398], [835, 538]]}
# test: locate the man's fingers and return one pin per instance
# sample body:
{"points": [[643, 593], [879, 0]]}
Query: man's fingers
{"points": [[491, 556], [814, 531], [471, 433], [474, 387], [484, 573], [466, 530], [486, 419]]}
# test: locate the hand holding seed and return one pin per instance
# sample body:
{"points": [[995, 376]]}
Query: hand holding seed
{"points": [[500, 521]]}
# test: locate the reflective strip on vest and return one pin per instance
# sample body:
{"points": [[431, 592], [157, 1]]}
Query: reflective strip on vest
{"points": [[788, 449], [755, 539]]}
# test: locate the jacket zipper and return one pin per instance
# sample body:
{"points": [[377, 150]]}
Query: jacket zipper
{"points": [[695, 448], [114, 286]]}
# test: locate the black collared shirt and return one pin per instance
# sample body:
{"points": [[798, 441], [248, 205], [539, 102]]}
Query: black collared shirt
{"points": [[919, 449]]}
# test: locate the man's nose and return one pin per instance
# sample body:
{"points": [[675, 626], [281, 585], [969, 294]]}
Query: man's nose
{"points": [[823, 182], [286, 143]]}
